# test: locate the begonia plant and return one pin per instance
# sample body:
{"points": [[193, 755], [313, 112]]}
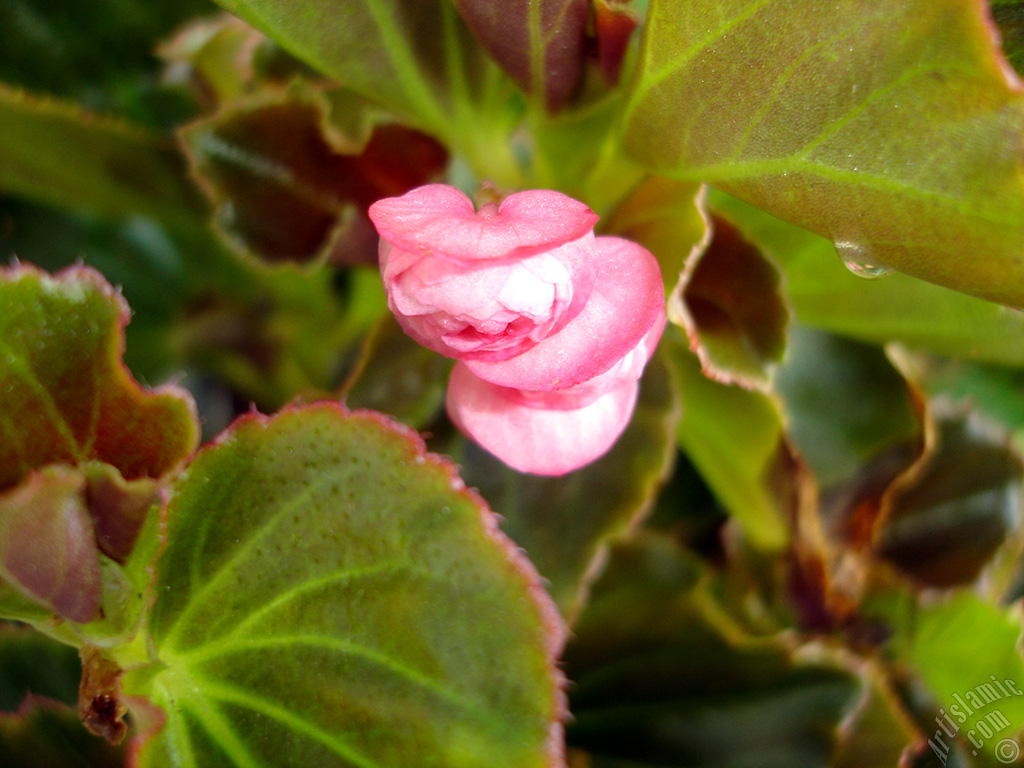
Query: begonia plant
{"points": [[520, 383]]}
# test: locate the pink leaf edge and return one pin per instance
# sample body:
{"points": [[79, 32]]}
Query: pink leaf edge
{"points": [[519, 564]]}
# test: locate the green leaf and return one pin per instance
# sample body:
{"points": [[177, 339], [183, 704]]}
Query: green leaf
{"points": [[290, 187], [415, 58], [565, 523], [542, 44], [825, 295], [55, 153], [397, 376], [735, 439], [965, 650], [66, 395], [330, 595], [83, 449], [893, 128], [661, 679]]}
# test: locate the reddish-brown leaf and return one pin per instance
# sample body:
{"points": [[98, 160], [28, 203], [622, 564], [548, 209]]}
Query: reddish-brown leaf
{"points": [[540, 43], [289, 186]]}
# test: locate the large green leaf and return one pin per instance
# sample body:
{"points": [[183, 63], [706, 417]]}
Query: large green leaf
{"points": [[332, 596], [416, 58], [56, 153], [735, 438], [897, 307], [893, 128], [565, 523]]}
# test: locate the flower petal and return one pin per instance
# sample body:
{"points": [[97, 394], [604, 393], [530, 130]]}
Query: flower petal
{"points": [[502, 307], [542, 441], [440, 219], [626, 302]]}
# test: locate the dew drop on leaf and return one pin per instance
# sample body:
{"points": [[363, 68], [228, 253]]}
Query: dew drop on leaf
{"points": [[858, 262]]}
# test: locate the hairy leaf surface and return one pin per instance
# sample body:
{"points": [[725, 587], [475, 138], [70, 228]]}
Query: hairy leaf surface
{"points": [[58, 154], [332, 596], [892, 128], [66, 395]]}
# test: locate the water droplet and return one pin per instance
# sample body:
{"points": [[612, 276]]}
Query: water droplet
{"points": [[867, 271], [860, 263]]}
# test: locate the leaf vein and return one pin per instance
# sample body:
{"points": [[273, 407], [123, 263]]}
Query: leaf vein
{"points": [[283, 598], [29, 377], [342, 646], [221, 732], [654, 79], [837, 125], [229, 565], [231, 695]]}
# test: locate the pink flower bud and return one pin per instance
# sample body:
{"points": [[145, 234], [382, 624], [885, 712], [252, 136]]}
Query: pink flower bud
{"points": [[552, 325], [485, 284]]}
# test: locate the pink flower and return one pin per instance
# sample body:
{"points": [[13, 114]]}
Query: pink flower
{"points": [[552, 326]]}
